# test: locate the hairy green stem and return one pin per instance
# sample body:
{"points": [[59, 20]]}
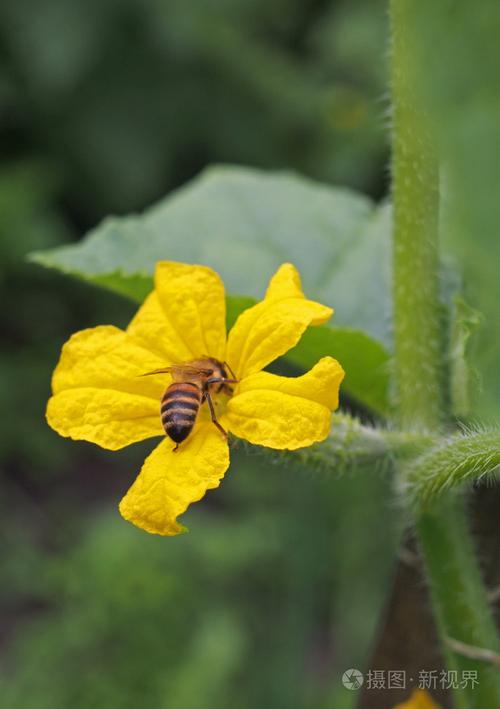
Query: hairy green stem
{"points": [[458, 460], [457, 591], [418, 370], [352, 445], [459, 598]]}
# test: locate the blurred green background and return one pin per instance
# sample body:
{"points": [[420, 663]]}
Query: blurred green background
{"points": [[106, 106]]}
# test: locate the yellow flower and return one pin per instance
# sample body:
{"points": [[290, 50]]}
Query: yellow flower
{"points": [[420, 699], [99, 395]]}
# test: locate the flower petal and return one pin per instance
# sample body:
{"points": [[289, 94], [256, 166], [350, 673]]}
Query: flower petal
{"points": [[285, 283], [320, 384], [151, 329], [419, 699], [105, 357], [269, 329], [185, 317], [169, 482], [285, 412], [99, 395], [111, 419]]}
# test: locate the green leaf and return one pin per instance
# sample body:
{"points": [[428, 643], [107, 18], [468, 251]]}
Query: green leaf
{"points": [[245, 223]]}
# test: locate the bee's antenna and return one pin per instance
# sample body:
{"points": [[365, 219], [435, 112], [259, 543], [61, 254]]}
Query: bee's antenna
{"points": [[166, 370], [226, 364]]}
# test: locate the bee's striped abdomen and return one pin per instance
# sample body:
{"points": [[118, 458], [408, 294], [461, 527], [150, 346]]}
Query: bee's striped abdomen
{"points": [[179, 407]]}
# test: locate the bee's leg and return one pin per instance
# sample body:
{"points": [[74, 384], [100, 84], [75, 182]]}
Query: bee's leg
{"points": [[176, 447], [212, 414]]}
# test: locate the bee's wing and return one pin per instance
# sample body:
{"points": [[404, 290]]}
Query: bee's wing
{"points": [[188, 371]]}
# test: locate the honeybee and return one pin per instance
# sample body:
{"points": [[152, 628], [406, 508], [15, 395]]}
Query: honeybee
{"points": [[194, 383]]}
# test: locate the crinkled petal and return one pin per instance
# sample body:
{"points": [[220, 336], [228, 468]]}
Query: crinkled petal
{"points": [[285, 412], [105, 357], [99, 395], [269, 329], [111, 419], [169, 482], [185, 317], [152, 330]]}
